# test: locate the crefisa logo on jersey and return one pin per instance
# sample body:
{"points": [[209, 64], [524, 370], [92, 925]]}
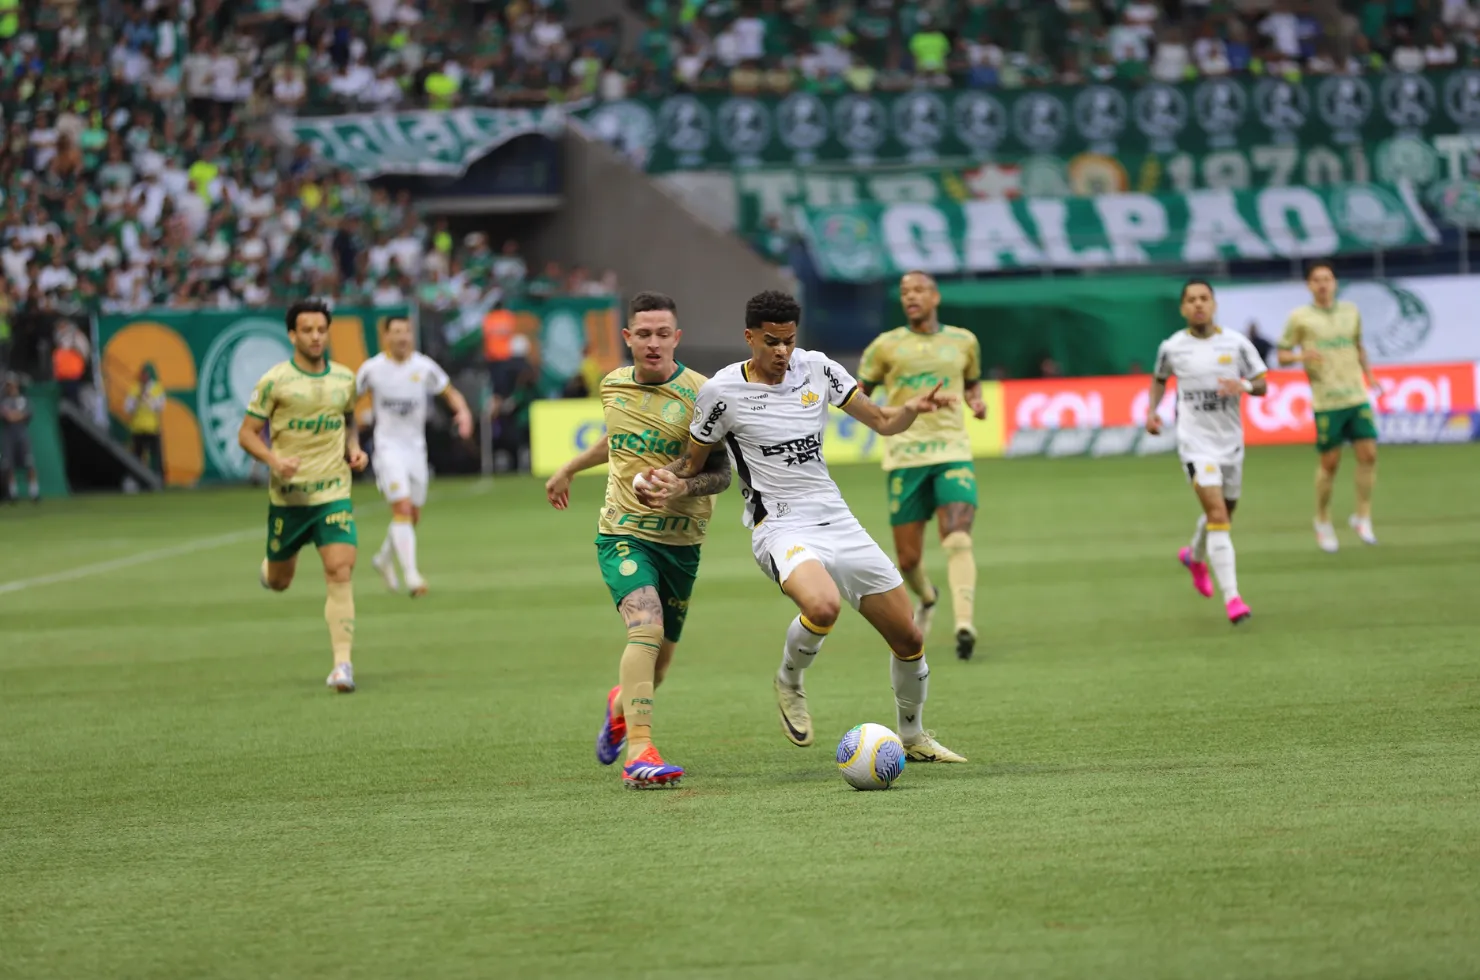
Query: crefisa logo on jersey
{"points": [[236, 359]]}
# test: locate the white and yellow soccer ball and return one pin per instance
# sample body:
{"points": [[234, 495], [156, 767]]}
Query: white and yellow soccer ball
{"points": [[871, 757]]}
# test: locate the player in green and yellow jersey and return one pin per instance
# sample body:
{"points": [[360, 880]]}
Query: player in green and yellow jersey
{"points": [[648, 558], [307, 404], [929, 467], [1325, 336]]}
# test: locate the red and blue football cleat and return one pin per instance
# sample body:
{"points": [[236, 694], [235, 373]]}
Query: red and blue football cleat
{"points": [[613, 734], [649, 771]]}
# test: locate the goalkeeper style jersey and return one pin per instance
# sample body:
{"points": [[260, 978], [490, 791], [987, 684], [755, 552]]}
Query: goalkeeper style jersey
{"points": [[647, 427], [909, 364], [305, 415]]}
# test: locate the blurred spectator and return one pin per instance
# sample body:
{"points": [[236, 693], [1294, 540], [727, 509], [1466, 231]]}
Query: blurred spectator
{"points": [[15, 441], [144, 408], [69, 359]]}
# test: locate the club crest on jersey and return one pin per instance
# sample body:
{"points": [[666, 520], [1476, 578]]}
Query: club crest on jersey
{"points": [[1225, 358], [810, 398], [673, 411]]}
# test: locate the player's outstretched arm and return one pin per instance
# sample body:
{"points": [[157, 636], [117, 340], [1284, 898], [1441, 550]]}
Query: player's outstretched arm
{"points": [[249, 437], [888, 420], [462, 416], [1153, 399], [557, 488]]}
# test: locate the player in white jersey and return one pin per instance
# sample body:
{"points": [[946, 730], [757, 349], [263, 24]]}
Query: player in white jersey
{"points": [[400, 379], [770, 413], [1214, 369]]}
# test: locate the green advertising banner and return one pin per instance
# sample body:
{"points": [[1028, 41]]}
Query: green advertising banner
{"points": [[208, 363], [1214, 132], [442, 143], [766, 198], [869, 242]]}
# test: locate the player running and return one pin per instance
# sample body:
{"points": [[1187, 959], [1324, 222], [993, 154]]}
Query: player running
{"points": [[1214, 368], [1325, 336], [770, 411], [308, 403], [399, 379], [648, 556], [929, 468]]}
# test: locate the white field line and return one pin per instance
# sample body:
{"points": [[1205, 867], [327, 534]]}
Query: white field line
{"points": [[174, 551]]}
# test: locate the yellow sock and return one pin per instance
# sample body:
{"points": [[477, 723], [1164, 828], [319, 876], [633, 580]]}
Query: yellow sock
{"points": [[919, 583], [639, 662], [1366, 479], [961, 575], [339, 613]]}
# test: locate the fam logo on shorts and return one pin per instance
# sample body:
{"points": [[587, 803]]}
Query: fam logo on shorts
{"points": [[238, 357]]}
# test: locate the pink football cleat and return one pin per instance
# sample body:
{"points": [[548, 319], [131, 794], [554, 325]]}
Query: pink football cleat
{"points": [[1201, 580], [1238, 611]]}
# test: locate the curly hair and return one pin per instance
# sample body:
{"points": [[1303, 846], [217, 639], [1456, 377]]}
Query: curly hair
{"points": [[771, 306], [311, 305]]}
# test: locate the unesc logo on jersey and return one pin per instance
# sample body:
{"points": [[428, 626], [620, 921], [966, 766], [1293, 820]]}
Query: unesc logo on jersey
{"points": [[236, 359]]}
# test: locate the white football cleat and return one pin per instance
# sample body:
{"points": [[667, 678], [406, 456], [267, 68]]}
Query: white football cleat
{"points": [[386, 566], [1363, 527], [416, 585], [1326, 538], [927, 749], [343, 678]]}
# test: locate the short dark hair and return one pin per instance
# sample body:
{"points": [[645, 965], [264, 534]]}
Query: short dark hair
{"points": [[922, 274], [312, 305], [1316, 266], [771, 306], [651, 302], [1196, 282]]}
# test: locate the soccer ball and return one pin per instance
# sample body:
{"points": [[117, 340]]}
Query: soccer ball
{"points": [[871, 757]]}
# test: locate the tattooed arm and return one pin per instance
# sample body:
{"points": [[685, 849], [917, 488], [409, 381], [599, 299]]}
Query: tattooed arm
{"points": [[699, 472]]}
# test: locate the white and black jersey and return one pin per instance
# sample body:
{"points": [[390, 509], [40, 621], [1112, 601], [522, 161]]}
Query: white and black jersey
{"points": [[774, 437], [1209, 425]]}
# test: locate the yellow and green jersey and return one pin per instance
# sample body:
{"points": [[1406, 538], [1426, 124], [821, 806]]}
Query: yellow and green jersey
{"points": [[647, 427], [909, 364], [1336, 379], [305, 416]]}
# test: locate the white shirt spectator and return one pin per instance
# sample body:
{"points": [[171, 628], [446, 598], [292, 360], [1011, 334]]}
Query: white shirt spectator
{"points": [[298, 11], [384, 91], [1171, 62], [387, 294], [289, 85], [379, 258], [1409, 57], [14, 258], [614, 86], [199, 67], [56, 277], [1211, 55], [1143, 16], [356, 78], [225, 75], [1441, 55], [691, 63], [750, 37], [71, 37], [548, 35], [406, 251], [1127, 43], [105, 256], [1284, 28], [44, 143]]}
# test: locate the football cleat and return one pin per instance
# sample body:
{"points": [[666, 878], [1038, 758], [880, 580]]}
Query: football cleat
{"points": [[386, 566], [1326, 538], [649, 771], [965, 642], [1363, 527], [927, 749], [1238, 611], [416, 586], [342, 679], [1201, 580], [796, 722], [613, 734]]}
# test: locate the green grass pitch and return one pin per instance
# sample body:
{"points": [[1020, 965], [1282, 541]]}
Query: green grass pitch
{"points": [[1151, 793]]}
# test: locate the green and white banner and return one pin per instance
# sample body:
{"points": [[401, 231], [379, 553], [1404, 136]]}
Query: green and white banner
{"points": [[422, 142], [1181, 128], [208, 363], [870, 242], [765, 198]]}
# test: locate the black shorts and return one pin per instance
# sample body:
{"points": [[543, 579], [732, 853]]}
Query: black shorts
{"points": [[15, 448], [140, 441], [503, 376]]}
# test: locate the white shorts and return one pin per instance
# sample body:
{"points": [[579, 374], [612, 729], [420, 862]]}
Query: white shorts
{"points": [[1205, 471], [856, 563], [401, 476]]}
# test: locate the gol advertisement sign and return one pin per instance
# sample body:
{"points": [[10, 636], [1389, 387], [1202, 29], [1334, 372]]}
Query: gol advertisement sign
{"points": [[1282, 416]]}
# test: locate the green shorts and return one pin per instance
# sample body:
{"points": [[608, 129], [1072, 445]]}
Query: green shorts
{"points": [[916, 491], [290, 528], [628, 563], [1342, 425]]}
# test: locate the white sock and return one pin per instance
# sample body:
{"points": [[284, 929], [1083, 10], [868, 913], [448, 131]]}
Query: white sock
{"points": [[403, 539], [1220, 556], [386, 550], [910, 679], [35, 489], [1200, 539], [802, 647]]}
